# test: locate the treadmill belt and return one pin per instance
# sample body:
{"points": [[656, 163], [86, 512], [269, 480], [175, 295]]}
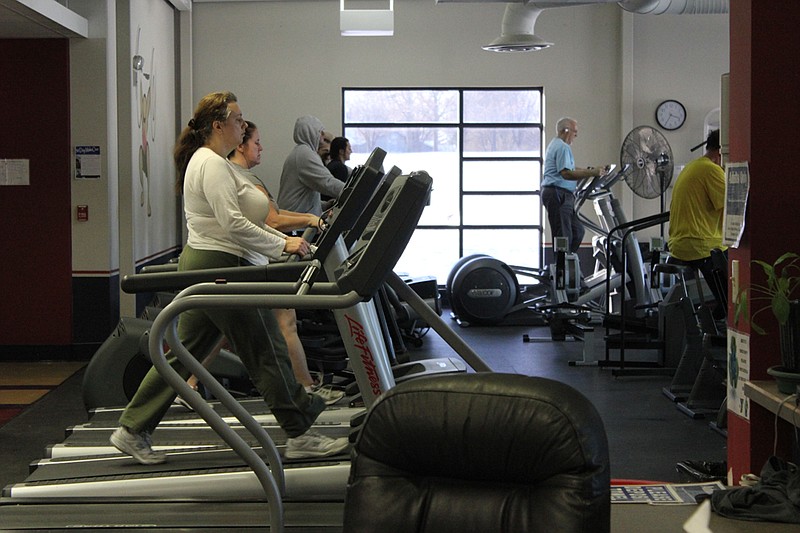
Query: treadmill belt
{"points": [[188, 435], [178, 414], [167, 516], [180, 463]]}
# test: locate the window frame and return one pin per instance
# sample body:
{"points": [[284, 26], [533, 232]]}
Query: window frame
{"points": [[461, 126]]}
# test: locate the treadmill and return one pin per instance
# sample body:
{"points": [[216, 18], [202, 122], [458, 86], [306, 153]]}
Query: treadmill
{"points": [[351, 214], [194, 444], [358, 277], [182, 430], [102, 386]]}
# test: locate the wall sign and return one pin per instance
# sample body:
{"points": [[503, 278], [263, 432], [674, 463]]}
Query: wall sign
{"points": [[737, 188], [15, 172], [87, 162], [738, 373]]}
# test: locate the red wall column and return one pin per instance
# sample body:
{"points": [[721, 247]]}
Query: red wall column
{"points": [[35, 242], [765, 78]]}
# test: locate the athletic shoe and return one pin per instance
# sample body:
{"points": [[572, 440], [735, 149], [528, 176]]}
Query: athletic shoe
{"points": [[327, 392], [314, 444], [137, 445], [183, 403]]}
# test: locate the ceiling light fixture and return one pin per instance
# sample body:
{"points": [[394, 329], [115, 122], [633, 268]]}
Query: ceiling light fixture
{"points": [[366, 22]]}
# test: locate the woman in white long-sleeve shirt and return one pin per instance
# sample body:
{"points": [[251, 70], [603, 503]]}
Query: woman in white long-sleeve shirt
{"points": [[246, 156], [225, 216]]}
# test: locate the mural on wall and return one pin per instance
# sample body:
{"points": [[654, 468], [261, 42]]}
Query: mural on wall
{"points": [[146, 116], [153, 131]]}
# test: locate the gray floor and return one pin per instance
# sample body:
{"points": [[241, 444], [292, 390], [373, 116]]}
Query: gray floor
{"points": [[25, 438], [647, 434]]}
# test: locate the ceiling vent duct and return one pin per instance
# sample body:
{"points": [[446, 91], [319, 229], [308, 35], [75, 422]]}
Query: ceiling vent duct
{"points": [[675, 7], [517, 34]]}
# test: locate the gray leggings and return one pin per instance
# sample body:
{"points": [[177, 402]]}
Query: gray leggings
{"points": [[254, 336]]}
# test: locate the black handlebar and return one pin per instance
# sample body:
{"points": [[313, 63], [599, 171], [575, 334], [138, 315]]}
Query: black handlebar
{"points": [[178, 280]]}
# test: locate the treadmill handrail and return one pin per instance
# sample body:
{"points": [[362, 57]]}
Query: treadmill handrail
{"points": [[180, 279], [273, 482], [271, 477], [163, 267], [362, 272]]}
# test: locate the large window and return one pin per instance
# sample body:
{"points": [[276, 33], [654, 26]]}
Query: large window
{"points": [[483, 149]]}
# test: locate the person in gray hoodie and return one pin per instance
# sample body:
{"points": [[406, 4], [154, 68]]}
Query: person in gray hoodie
{"points": [[304, 176]]}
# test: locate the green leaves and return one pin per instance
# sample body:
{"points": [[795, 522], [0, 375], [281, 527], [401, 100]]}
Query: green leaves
{"points": [[782, 285], [780, 307]]}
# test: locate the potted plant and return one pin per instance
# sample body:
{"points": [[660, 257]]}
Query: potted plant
{"points": [[780, 295]]}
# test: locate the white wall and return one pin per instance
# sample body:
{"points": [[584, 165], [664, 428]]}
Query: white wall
{"points": [[286, 59], [608, 68], [152, 93], [121, 232], [94, 249], [683, 58]]}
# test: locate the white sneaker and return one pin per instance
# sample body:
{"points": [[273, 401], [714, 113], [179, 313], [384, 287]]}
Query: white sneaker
{"points": [[314, 444], [137, 445], [327, 392], [183, 403]]}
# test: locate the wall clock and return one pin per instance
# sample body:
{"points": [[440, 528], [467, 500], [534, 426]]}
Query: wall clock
{"points": [[670, 114]]}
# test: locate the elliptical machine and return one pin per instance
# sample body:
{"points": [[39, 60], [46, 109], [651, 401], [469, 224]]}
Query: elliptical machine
{"points": [[576, 299], [483, 290]]}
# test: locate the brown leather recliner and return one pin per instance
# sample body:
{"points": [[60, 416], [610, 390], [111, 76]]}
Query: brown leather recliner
{"points": [[480, 453]]}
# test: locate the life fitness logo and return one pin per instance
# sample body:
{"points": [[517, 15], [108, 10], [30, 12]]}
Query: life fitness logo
{"points": [[361, 342]]}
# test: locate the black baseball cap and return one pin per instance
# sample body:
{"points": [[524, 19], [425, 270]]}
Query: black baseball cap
{"points": [[711, 142]]}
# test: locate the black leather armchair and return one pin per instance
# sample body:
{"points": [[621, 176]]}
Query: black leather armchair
{"points": [[480, 452]]}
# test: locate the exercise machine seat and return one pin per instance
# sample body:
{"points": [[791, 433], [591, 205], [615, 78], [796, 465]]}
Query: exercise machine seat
{"points": [[480, 452]]}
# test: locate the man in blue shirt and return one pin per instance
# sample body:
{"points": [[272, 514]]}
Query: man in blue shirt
{"points": [[560, 180]]}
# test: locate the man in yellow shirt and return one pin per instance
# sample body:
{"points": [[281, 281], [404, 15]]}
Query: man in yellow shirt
{"points": [[695, 215]]}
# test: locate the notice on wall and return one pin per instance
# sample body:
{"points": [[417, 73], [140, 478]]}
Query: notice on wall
{"points": [[87, 162], [15, 172], [738, 372], [737, 187]]}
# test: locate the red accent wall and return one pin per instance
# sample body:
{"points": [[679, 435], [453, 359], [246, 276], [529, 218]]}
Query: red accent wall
{"points": [[765, 76], [35, 240]]}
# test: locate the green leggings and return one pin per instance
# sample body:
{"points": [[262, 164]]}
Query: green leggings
{"points": [[253, 335]]}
